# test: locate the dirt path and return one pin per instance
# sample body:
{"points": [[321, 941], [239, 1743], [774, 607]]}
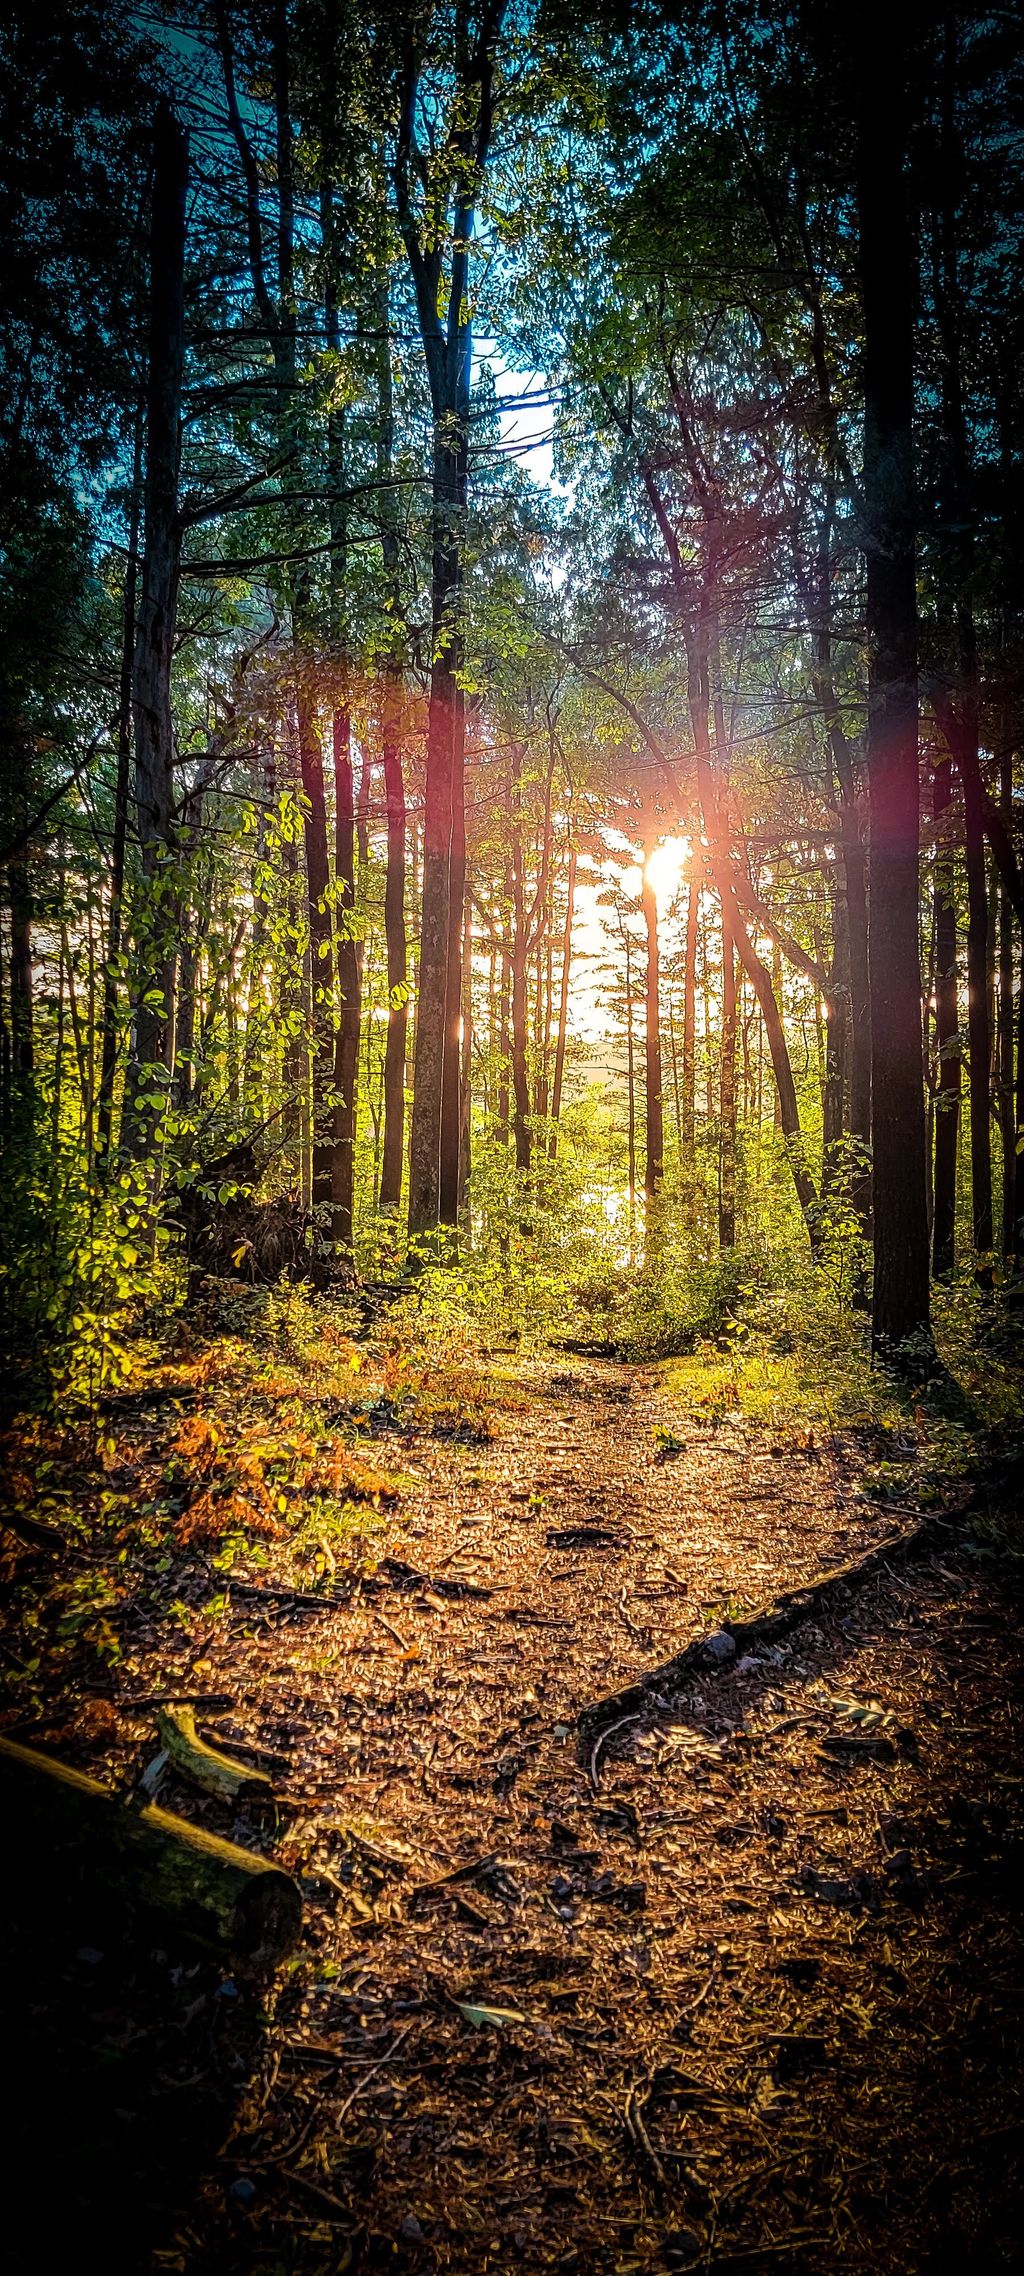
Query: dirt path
{"points": [[752, 1981]]}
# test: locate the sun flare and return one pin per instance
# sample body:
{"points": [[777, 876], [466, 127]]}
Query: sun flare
{"points": [[664, 867]]}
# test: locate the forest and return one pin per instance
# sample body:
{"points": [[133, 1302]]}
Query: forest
{"points": [[512, 1134]]}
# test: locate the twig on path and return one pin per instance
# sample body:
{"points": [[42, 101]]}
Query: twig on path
{"points": [[640, 1636], [387, 2057], [382, 1623], [608, 1733], [638, 2134], [176, 1698], [323, 2196]]}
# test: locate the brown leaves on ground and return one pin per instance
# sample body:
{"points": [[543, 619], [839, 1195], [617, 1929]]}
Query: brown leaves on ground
{"points": [[724, 2010]]}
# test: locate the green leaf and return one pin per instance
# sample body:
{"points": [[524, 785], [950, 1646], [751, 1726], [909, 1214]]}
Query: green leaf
{"points": [[498, 2017]]}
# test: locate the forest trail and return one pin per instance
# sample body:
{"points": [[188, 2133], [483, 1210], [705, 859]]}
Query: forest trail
{"points": [[724, 1992]]}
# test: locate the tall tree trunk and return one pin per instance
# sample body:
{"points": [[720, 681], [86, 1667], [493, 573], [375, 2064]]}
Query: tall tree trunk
{"points": [[1005, 1025], [520, 1077], [449, 1175], [958, 504], [686, 1127], [108, 1044], [394, 784], [346, 1058], [563, 1008], [837, 1042], [348, 946], [979, 1029], [947, 1031], [466, 1089], [504, 1015], [448, 354], [899, 1181], [716, 833], [22, 1006], [654, 1159], [154, 645], [630, 1096], [727, 1094]]}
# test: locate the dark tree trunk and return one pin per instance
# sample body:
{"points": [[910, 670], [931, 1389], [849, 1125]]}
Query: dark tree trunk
{"points": [[397, 959], [1005, 1026], [979, 1030], [432, 995], [392, 1159], [22, 1008], [716, 832], [947, 1032], [899, 1181], [154, 644], [448, 354], [111, 989], [346, 1058], [449, 1178]]}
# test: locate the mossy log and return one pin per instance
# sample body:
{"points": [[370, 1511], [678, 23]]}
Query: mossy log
{"points": [[190, 1756], [64, 1827]]}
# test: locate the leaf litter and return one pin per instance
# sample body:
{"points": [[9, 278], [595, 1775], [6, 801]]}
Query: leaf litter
{"points": [[705, 1993]]}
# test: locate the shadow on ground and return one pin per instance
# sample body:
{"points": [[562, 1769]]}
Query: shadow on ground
{"points": [[125, 2061]]}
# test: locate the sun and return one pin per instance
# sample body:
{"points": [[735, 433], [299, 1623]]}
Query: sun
{"points": [[664, 868]]}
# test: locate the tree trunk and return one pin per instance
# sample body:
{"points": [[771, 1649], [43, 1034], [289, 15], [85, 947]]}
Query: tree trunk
{"points": [[654, 1160], [727, 1094], [346, 1058], [520, 1078], [64, 1827], [686, 1127], [899, 1182], [448, 354], [1005, 1024], [630, 1097], [449, 1177], [716, 832], [979, 1030], [154, 645], [22, 1008], [947, 1032], [394, 788], [563, 1008], [108, 1045]]}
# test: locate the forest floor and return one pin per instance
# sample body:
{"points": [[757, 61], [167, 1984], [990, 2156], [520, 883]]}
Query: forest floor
{"points": [[738, 1987]]}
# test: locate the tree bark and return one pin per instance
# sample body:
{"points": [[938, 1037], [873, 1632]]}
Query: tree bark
{"points": [[108, 1043], [448, 354], [154, 644], [947, 1032], [392, 1159], [64, 1827], [899, 1182], [654, 1157], [563, 1009], [1005, 1027], [686, 1127]]}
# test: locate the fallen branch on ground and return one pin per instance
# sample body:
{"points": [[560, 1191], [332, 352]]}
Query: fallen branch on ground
{"points": [[203, 1765], [715, 1654], [64, 1828]]}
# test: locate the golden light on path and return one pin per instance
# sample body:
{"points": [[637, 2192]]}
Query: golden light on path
{"points": [[664, 868]]}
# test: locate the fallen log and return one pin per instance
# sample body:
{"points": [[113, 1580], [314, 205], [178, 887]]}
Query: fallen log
{"points": [[716, 1654], [63, 1826], [202, 1765]]}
